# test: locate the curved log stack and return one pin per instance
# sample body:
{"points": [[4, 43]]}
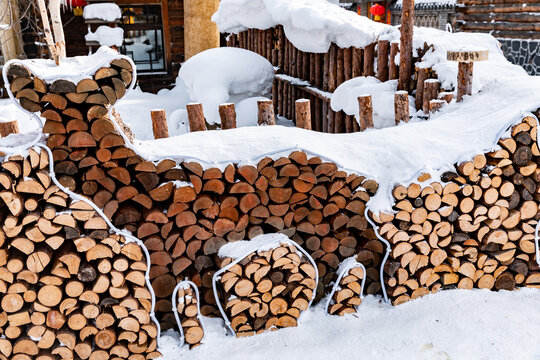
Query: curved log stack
{"points": [[267, 290], [69, 289], [348, 294], [188, 311], [185, 213], [476, 230]]}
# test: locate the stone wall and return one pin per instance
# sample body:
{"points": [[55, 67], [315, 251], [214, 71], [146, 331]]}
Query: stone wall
{"points": [[523, 52]]}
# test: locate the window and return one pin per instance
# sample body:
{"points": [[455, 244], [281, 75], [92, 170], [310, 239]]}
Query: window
{"points": [[143, 37]]}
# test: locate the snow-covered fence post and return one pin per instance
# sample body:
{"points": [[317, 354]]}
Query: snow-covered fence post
{"points": [[423, 74], [303, 114], [227, 114], [366, 112], [401, 106], [431, 91], [369, 60], [266, 112], [159, 124], [466, 59], [446, 96], [382, 60], [393, 72], [435, 105], [196, 117], [406, 45]]}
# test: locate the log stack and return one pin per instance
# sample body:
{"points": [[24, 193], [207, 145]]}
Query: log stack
{"points": [[184, 213], [188, 311], [474, 230], [267, 290], [69, 288], [348, 294]]}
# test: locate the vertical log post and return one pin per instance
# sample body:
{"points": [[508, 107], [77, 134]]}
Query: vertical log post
{"points": [[466, 58], [422, 76], [393, 72], [382, 60], [340, 74], [435, 105], [369, 60], [196, 117], [159, 124], [266, 112], [227, 114], [406, 45], [9, 127], [356, 63], [332, 68], [366, 112], [347, 63], [401, 106], [303, 114], [431, 91]]}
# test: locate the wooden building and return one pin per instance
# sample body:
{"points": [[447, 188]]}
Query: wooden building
{"points": [[515, 23]]}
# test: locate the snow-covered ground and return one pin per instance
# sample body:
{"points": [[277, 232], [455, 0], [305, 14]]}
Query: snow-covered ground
{"points": [[454, 324]]}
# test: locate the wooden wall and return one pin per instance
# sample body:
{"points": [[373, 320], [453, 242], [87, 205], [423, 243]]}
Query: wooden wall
{"points": [[515, 19]]}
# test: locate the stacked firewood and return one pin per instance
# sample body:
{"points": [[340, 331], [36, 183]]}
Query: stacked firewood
{"points": [[267, 289], [69, 288], [188, 311], [348, 293], [475, 230], [184, 213]]}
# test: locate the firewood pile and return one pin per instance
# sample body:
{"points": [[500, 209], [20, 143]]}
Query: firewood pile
{"points": [[184, 213], [69, 288], [267, 290], [347, 292], [188, 315], [475, 230]]}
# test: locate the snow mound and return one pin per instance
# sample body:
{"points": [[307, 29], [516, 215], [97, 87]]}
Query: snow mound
{"points": [[264, 242], [108, 12], [382, 95], [213, 76], [311, 25], [452, 324], [106, 35], [73, 69]]}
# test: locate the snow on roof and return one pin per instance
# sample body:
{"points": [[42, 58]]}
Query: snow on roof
{"points": [[424, 3], [73, 69], [107, 36], [390, 155], [102, 11], [311, 25]]}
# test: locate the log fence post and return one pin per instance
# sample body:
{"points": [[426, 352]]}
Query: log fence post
{"points": [[466, 59], [431, 91], [227, 114], [446, 96], [406, 45], [382, 60], [393, 71], [365, 112], [435, 105], [423, 74], [196, 117], [159, 124], [369, 60], [401, 106], [266, 112], [303, 114]]}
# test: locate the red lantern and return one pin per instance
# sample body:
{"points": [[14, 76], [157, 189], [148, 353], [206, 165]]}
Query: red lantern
{"points": [[377, 10], [77, 6]]}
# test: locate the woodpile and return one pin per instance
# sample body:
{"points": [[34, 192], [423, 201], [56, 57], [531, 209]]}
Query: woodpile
{"points": [[188, 314], [474, 230], [184, 213], [346, 295], [69, 289], [267, 290]]}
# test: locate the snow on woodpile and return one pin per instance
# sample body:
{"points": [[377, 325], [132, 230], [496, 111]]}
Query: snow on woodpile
{"points": [[311, 25], [216, 76], [73, 69], [106, 35], [391, 155], [238, 249], [108, 12]]}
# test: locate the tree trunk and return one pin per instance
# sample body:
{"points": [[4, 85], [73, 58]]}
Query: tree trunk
{"points": [[406, 45]]}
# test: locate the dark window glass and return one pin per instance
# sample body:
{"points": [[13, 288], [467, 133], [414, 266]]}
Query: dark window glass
{"points": [[143, 37]]}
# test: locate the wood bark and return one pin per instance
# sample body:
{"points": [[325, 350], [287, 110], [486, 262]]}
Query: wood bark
{"points": [[401, 106], [406, 45], [196, 118], [303, 114], [383, 47], [159, 124], [266, 112], [366, 112], [227, 113], [465, 76]]}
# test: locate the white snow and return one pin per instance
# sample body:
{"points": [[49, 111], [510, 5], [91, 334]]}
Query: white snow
{"points": [[73, 69], [9, 112], [214, 76], [382, 96], [453, 324], [108, 12], [390, 155], [430, 2], [264, 242], [106, 35], [311, 25]]}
